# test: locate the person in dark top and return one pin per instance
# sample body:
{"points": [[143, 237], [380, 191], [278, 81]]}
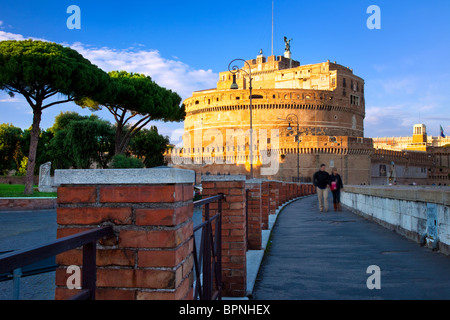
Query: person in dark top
{"points": [[321, 180], [336, 186]]}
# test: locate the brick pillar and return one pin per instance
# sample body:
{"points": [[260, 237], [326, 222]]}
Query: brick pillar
{"points": [[254, 213], [273, 196], [283, 194], [265, 204], [234, 242], [150, 255], [291, 191]]}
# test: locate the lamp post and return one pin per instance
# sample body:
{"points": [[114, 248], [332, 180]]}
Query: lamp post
{"points": [[235, 69], [290, 118]]}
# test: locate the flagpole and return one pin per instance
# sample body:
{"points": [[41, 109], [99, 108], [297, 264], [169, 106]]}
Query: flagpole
{"points": [[272, 24]]}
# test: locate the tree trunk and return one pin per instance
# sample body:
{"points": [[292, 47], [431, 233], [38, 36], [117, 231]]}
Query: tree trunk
{"points": [[34, 139], [118, 140]]}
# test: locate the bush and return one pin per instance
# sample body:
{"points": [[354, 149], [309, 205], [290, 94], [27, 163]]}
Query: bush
{"points": [[121, 161]]}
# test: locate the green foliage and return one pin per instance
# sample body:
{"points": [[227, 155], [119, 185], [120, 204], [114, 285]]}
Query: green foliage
{"points": [[91, 140], [16, 191], [150, 146], [22, 170], [10, 141], [121, 161], [80, 141], [138, 93], [135, 96], [42, 153], [39, 70]]}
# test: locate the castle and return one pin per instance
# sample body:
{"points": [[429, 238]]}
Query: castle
{"points": [[301, 115]]}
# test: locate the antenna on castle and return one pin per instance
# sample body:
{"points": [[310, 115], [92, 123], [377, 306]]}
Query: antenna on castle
{"points": [[272, 24]]}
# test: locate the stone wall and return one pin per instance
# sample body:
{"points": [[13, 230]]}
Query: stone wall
{"points": [[419, 213]]}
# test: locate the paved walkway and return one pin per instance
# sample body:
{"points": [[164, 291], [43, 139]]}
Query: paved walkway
{"points": [[25, 229], [325, 256]]}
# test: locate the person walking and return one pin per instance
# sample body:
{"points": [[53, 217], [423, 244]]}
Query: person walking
{"points": [[321, 180], [336, 185]]}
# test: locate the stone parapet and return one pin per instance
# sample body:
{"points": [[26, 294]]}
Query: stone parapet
{"points": [[419, 213]]}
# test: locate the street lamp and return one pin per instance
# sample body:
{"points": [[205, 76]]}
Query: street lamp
{"points": [[234, 86], [290, 119]]}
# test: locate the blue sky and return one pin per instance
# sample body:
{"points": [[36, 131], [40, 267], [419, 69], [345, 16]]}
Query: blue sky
{"points": [[183, 45]]}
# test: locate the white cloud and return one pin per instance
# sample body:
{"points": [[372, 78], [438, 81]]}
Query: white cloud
{"points": [[169, 73], [12, 100], [14, 36], [10, 36]]}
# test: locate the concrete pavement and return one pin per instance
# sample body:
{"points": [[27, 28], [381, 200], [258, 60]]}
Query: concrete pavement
{"points": [[25, 229], [325, 256]]}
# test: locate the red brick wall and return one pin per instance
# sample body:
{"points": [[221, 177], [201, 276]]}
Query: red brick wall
{"points": [[254, 214], [150, 255], [234, 246]]}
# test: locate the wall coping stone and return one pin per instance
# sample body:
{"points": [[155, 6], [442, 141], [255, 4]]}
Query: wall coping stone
{"points": [[224, 178], [124, 176], [439, 195]]}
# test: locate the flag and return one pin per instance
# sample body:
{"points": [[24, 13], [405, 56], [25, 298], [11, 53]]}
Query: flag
{"points": [[442, 132]]}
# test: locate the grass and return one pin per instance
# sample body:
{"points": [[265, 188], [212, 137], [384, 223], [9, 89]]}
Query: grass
{"points": [[16, 191]]}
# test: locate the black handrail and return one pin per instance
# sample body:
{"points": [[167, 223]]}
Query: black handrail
{"points": [[210, 257], [87, 239]]}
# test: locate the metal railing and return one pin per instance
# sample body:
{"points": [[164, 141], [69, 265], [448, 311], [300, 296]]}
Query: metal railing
{"points": [[208, 260], [88, 240]]}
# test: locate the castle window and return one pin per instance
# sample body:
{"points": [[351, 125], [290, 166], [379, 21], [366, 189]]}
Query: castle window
{"points": [[344, 83], [197, 102]]}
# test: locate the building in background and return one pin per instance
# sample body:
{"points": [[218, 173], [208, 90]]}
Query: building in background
{"points": [[419, 159]]}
